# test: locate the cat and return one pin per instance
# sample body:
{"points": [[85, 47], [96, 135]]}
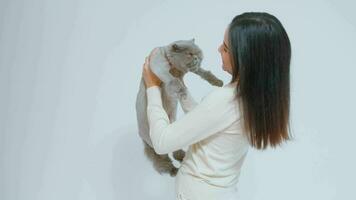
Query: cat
{"points": [[170, 63]]}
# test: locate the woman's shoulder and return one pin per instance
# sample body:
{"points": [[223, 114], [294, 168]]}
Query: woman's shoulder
{"points": [[228, 90], [221, 95]]}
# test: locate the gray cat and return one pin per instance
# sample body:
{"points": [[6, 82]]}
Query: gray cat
{"points": [[170, 63]]}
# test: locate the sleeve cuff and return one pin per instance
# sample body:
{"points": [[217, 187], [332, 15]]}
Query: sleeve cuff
{"points": [[154, 95]]}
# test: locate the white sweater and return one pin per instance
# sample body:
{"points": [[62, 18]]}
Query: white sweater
{"points": [[211, 129]]}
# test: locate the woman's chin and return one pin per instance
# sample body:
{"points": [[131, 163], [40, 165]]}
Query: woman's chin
{"points": [[226, 70]]}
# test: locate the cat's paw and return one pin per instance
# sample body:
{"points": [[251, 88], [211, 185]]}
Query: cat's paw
{"points": [[217, 82], [173, 172], [179, 155]]}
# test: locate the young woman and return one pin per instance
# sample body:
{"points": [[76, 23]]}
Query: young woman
{"points": [[251, 110]]}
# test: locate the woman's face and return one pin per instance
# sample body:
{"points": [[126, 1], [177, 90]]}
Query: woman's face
{"points": [[225, 54]]}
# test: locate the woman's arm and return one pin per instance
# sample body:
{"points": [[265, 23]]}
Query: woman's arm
{"points": [[212, 115]]}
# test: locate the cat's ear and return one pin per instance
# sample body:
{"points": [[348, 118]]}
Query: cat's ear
{"points": [[192, 40]]}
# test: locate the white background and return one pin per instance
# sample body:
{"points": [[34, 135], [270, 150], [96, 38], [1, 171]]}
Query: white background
{"points": [[69, 75]]}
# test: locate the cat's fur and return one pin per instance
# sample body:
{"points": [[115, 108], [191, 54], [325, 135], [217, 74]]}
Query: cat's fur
{"points": [[170, 63]]}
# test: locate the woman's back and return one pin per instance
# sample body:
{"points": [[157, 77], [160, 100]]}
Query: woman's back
{"points": [[214, 163]]}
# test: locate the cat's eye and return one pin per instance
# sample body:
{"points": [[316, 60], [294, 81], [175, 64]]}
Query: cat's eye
{"points": [[176, 48]]}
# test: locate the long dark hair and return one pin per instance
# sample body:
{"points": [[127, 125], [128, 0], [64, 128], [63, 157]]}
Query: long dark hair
{"points": [[260, 56]]}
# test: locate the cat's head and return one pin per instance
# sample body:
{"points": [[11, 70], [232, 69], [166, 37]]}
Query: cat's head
{"points": [[184, 55]]}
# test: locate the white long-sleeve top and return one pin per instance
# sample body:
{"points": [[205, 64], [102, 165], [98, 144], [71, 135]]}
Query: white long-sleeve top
{"points": [[211, 129]]}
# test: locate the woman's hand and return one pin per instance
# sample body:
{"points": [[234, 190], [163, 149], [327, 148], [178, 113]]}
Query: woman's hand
{"points": [[150, 78]]}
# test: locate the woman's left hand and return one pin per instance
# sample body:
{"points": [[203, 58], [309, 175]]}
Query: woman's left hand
{"points": [[150, 78]]}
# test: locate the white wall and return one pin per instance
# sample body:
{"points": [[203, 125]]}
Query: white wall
{"points": [[69, 74]]}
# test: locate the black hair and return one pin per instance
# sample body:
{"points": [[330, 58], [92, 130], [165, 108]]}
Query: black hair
{"points": [[260, 53]]}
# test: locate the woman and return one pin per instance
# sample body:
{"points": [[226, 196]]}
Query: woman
{"points": [[251, 110]]}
